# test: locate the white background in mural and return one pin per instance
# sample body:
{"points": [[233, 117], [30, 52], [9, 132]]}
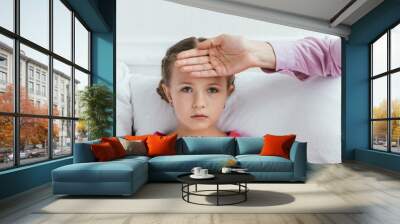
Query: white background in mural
{"points": [[262, 103]]}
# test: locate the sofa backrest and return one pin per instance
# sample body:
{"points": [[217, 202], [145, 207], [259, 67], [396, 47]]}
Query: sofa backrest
{"points": [[206, 145], [83, 153], [192, 146], [249, 145]]}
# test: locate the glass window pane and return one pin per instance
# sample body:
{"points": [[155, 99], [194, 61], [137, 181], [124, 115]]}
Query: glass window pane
{"points": [[81, 131], [379, 135], [62, 138], [7, 14], [81, 81], [6, 74], [379, 55], [81, 45], [395, 136], [62, 89], [395, 47], [379, 97], [35, 21], [6, 142], [62, 29], [33, 139], [34, 97], [395, 94]]}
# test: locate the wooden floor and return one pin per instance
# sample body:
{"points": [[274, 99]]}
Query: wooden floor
{"points": [[378, 188]]}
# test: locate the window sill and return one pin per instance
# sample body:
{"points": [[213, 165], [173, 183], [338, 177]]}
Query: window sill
{"points": [[25, 167]]}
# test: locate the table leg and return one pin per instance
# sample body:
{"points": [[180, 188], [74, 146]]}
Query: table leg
{"points": [[245, 193], [196, 188], [188, 189], [217, 194]]}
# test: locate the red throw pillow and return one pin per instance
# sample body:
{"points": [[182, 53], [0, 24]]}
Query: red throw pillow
{"points": [[277, 145], [103, 151], [161, 145], [116, 145]]}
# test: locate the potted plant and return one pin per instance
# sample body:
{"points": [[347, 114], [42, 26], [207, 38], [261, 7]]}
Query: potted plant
{"points": [[96, 103]]}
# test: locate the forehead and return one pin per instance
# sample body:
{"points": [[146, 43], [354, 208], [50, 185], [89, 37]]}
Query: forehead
{"points": [[179, 77]]}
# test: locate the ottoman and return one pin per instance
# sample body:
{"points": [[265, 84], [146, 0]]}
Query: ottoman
{"points": [[118, 177]]}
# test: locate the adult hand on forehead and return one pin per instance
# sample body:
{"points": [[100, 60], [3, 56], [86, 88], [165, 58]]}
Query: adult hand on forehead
{"points": [[225, 55]]}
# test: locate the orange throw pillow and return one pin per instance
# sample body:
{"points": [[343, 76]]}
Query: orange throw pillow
{"points": [[161, 145], [138, 137], [277, 145], [103, 151], [116, 145]]}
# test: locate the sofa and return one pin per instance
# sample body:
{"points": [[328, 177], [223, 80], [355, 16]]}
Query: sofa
{"points": [[126, 175]]}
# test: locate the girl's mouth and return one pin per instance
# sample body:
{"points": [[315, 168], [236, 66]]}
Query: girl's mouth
{"points": [[199, 116]]}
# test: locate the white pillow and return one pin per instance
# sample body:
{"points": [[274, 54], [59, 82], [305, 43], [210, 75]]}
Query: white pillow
{"points": [[123, 104], [150, 112]]}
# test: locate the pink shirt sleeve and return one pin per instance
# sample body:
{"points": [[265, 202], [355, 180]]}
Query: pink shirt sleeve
{"points": [[308, 57]]}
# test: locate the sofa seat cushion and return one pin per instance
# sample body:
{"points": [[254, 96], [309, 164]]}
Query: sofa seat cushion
{"points": [[257, 163], [133, 158], [185, 163], [112, 171]]}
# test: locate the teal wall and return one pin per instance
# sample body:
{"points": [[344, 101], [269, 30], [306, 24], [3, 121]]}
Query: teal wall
{"points": [[99, 16], [24, 178], [356, 86]]}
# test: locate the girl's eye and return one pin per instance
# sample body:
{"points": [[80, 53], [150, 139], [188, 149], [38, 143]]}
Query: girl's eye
{"points": [[186, 89], [213, 90]]}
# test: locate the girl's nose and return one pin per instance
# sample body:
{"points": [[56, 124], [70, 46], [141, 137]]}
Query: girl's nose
{"points": [[199, 101]]}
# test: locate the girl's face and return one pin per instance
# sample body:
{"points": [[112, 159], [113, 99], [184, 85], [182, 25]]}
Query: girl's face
{"points": [[198, 102]]}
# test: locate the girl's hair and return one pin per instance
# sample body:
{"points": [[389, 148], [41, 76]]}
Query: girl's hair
{"points": [[170, 58]]}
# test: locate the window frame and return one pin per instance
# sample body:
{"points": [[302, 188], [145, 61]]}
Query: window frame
{"points": [[388, 74], [15, 71]]}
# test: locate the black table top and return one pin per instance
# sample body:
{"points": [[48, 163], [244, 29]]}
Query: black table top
{"points": [[220, 178]]}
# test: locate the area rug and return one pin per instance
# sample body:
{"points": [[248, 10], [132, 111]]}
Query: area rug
{"points": [[167, 198]]}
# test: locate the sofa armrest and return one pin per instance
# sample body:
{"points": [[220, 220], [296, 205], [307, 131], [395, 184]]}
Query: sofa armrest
{"points": [[83, 152], [298, 155]]}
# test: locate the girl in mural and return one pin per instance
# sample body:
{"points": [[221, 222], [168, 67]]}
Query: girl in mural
{"points": [[198, 102], [225, 55]]}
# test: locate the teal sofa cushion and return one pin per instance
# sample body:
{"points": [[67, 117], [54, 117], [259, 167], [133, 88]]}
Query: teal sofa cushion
{"points": [[249, 145], [185, 163], [206, 145], [115, 171], [118, 177], [257, 163]]}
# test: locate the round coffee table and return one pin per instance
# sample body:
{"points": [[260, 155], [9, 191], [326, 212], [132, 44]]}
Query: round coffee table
{"points": [[238, 179]]}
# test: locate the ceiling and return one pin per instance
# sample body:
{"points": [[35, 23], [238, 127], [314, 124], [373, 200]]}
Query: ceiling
{"points": [[328, 16]]}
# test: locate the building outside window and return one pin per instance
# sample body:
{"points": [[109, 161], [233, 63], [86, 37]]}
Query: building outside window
{"points": [[30, 72], [3, 72], [38, 89], [30, 87], [43, 90], [37, 75], [3, 78], [43, 78], [3, 61]]}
